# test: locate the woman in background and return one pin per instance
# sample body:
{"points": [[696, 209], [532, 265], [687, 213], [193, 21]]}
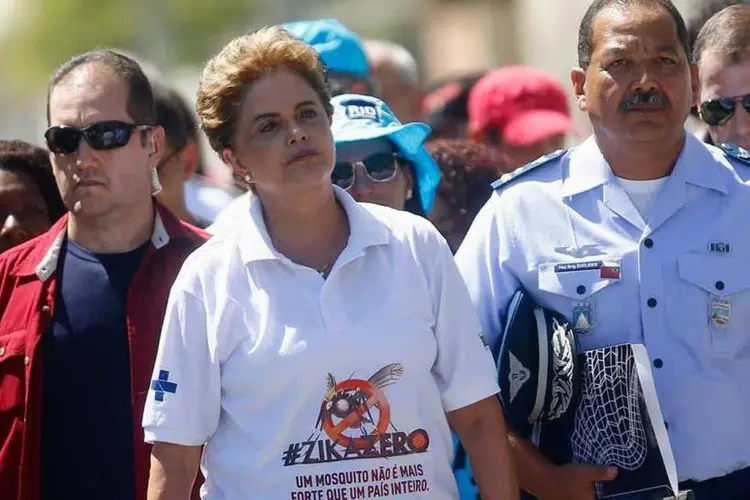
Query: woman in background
{"points": [[379, 159], [468, 170], [29, 200]]}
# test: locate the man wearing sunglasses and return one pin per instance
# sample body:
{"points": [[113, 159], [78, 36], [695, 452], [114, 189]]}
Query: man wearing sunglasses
{"points": [[81, 305], [722, 53]]}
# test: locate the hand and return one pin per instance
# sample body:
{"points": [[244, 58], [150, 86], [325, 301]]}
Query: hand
{"points": [[576, 482]]}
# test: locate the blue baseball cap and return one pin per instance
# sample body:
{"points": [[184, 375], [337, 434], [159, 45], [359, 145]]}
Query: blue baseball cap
{"points": [[340, 48], [359, 118]]}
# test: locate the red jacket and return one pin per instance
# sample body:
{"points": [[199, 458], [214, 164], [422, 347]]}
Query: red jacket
{"points": [[27, 303]]}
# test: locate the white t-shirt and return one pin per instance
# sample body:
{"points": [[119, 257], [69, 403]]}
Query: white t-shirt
{"points": [[304, 388], [643, 194]]}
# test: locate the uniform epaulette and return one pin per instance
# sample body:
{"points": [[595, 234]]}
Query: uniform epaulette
{"points": [[508, 178], [736, 152]]}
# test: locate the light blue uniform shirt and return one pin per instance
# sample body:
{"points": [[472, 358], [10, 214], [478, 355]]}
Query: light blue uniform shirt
{"points": [[689, 259]]}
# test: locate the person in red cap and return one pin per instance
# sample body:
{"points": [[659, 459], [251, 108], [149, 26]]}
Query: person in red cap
{"points": [[521, 111]]}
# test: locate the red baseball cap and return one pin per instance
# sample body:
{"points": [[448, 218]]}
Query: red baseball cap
{"points": [[523, 104]]}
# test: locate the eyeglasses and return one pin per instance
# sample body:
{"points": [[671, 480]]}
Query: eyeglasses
{"points": [[100, 136], [717, 112], [380, 167]]}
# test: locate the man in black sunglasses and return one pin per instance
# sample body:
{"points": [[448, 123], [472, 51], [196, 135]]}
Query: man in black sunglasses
{"points": [[722, 53], [81, 305]]}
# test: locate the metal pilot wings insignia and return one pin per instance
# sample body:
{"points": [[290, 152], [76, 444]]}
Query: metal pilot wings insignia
{"points": [[580, 252]]}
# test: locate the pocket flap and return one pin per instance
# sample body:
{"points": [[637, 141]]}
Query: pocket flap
{"points": [[720, 275], [559, 279], [12, 344]]}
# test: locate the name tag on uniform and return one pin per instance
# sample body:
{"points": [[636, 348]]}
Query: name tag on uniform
{"points": [[721, 312], [607, 269], [574, 267]]}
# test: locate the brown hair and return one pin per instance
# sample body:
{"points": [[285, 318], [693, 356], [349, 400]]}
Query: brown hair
{"points": [[244, 60], [727, 32], [468, 170]]}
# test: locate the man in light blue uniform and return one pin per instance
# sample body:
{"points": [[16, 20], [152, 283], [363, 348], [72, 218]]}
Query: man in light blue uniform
{"points": [[656, 222]]}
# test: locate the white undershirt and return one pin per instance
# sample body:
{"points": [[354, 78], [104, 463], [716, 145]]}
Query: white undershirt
{"points": [[643, 193]]}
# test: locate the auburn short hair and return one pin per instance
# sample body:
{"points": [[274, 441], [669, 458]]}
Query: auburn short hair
{"points": [[230, 73]]}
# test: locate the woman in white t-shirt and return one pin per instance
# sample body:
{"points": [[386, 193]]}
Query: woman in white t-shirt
{"points": [[322, 349]]}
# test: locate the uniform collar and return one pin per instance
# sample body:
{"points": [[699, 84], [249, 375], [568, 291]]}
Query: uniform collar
{"points": [[42, 260], [365, 231], [587, 168]]}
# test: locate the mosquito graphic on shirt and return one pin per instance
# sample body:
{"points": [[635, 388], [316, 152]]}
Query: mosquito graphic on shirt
{"points": [[351, 402]]}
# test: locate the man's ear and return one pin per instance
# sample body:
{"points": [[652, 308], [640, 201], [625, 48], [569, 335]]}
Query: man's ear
{"points": [[578, 78], [155, 143], [190, 157]]}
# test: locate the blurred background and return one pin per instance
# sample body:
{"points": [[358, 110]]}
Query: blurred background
{"points": [[448, 37]]}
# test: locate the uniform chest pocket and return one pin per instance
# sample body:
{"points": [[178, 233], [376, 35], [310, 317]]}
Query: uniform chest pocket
{"points": [[719, 289], [577, 281], [12, 372]]}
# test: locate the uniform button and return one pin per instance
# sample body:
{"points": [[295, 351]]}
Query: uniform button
{"points": [[658, 363], [2, 351], [581, 289], [648, 243], [720, 285], [26, 360], [651, 302]]}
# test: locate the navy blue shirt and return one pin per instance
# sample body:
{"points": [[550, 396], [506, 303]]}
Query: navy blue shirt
{"points": [[87, 418]]}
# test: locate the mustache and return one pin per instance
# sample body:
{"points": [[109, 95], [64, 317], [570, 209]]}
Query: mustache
{"points": [[637, 98]]}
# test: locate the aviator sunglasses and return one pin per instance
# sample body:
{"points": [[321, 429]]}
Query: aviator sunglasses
{"points": [[380, 167], [717, 112], [100, 136]]}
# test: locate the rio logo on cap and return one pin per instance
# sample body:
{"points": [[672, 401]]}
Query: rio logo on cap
{"points": [[360, 110]]}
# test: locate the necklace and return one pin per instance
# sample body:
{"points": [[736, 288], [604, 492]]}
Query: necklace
{"points": [[326, 268], [323, 271]]}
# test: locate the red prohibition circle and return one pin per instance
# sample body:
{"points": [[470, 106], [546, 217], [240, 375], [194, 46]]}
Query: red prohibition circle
{"points": [[374, 397]]}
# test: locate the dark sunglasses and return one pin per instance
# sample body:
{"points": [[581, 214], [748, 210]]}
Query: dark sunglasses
{"points": [[100, 136], [380, 167], [717, 112]]}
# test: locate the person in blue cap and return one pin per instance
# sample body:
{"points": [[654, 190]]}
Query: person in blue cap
{"points": [[342, 52], [379, 159]]}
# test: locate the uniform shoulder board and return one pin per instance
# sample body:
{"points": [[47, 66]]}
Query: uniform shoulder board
{"points": [[736, 152], [508, 178]]}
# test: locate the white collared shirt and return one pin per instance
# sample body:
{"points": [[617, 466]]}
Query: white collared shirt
{"points": [[302, 387], [668, 284]]}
